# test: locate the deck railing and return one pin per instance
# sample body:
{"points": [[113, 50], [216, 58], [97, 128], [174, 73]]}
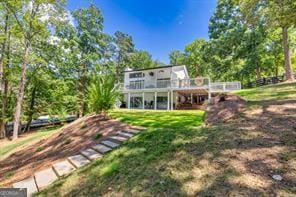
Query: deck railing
{"points": [[182, 83], [225, 86], [194, 83]]}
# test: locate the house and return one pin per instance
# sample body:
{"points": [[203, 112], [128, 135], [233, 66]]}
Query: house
{"points": [[168, 87]]}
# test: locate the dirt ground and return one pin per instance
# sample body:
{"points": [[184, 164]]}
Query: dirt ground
{"points": [[71, 139], [262, 144], [220, 111]]}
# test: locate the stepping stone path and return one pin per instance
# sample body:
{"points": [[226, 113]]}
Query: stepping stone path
{"points": [[125, 134], [109, 143], [78, 160], [101, 148], [29, 184], [45, 177], [132, 131], [63, 168], [91, 154], [118, 138]]}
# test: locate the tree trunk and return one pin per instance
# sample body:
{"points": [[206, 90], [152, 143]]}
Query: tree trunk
{"points": [[288, 66], [31, 110], [82, 90], [21, 92], [2, 78], [258, 72]]}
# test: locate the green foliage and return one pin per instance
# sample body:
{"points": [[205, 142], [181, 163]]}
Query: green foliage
{"points": [[238, 49], [140, 59], [97, 136], [40, 148], [103, 93]]}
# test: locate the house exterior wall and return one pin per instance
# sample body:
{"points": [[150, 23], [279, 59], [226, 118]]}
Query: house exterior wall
{"points": [[148, 78]]}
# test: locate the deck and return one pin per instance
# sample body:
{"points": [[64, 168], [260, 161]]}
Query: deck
{"points": [[182, 84]]}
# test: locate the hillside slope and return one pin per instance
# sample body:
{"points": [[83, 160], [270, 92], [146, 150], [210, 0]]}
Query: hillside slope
{"points": [[241, 157]]}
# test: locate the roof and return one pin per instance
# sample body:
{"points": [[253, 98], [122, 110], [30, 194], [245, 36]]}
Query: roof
{"points": [[167, 66]]}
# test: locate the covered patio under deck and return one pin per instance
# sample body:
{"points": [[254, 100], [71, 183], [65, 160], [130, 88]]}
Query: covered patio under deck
{"points": [[191, 99], [166, 99]]}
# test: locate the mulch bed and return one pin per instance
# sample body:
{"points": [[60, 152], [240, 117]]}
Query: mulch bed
{"points": [[223, 108], [71, 139]]}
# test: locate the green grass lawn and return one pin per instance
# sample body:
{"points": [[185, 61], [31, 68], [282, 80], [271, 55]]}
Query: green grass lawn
{"points": [[269, 93], [139, 165], [179, 156], [7, 147], [160, 119]]}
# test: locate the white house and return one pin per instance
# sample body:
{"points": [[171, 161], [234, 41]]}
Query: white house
{"points": [[168, 87]]}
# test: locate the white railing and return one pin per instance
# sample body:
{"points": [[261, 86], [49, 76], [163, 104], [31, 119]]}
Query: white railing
{"points": [[175, 84], [225, 86], [194, 83]]}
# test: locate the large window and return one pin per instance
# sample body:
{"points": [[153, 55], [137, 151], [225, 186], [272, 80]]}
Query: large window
{"points": [[135, 75], [162, 102], [139, 84], [136, 102], [163, 83]]}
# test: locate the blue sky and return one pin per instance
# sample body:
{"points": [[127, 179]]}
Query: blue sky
{"points": [[157, 26]]}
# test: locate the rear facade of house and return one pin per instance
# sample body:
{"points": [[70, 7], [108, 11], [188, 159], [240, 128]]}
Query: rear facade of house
{"points": [[168, 88]]}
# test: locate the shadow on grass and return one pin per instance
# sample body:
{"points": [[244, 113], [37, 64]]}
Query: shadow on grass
{"points": [[163, 162], [236, 158]]}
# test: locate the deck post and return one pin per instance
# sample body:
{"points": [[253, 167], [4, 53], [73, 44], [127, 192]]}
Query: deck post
{"points": [[168, 107], [191, 97], [129, 100], [155, 100], [172, 100], [210, 96], [143, 100]]}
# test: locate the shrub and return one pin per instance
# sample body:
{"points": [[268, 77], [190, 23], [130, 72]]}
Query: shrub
{"points": [[103, 93], [40, 148], [97, 136]]}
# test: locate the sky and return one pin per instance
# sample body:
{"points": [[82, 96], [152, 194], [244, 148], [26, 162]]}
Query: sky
{"points": [[157, 26]]}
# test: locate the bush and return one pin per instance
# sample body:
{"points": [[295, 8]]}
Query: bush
{"points": [[97, 136], [103, 93]]}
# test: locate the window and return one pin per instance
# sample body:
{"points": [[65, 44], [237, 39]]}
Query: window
{"points": [[163, 83], [135, 75], [136, 102], [137, 84]]}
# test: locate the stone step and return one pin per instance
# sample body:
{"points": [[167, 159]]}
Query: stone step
{"points": [[109, 143], [45, 178], [118, 138], [138, 128], [28, 183], [63, 168], [132, 131], [91, 154], [101, 148], [78, 160], [124, 134]]}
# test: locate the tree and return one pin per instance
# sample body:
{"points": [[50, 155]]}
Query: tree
{"points": [[194, 58], [90, 40], [4, 58], [176, 57], [124, 47], [32, 18], [102, 93], [226, 30], [140, 59], [276, 14]]}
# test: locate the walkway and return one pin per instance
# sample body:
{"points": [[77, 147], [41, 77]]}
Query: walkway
{"points": [[44, 178]]}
